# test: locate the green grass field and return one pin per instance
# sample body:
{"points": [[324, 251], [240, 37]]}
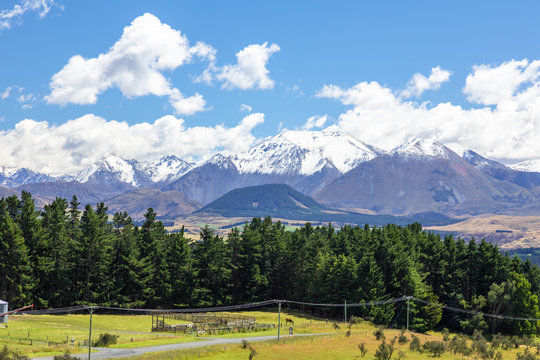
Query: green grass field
{"points": [[36, 334], [134, 331]]}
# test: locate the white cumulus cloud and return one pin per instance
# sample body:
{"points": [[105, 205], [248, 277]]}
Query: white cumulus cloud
{"points": [[249, 72], [508, 130], [419, 83], [8, 17], [76, 144], [135, 65], [499, 84], [315, 122]]}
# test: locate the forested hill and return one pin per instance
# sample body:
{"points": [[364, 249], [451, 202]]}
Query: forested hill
{"points": [[282, 201], [64, 256]]}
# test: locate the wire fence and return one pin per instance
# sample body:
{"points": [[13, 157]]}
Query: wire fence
{"points": [[266, 303]]}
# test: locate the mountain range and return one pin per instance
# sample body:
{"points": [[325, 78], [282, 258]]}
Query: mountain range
{"points": [[334, 168]]}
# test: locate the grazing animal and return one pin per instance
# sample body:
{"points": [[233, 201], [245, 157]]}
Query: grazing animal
{"points": [[287, 320]]}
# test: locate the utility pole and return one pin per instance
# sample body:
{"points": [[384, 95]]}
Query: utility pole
{"points": [[345, 310], [408, 300], [91, 309], [279, 319]]}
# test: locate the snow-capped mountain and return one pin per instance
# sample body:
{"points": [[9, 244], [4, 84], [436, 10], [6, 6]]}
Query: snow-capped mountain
{"points": [[11, 176], [527, 165], [305, 153], [166, 169], [415, 148], [112, 169]]}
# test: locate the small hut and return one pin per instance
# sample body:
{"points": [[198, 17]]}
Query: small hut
{"points": [[3, 310]]}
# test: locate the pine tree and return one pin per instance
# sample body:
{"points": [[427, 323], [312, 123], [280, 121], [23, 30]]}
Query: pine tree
{"points": [[15, 270], [213, 269], [181, 272]]}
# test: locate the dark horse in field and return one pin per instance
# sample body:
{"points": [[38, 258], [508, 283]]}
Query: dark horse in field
{"points": [[287, 320]]}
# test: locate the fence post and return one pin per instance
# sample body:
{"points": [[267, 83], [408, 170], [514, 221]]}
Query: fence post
{"points": [[345, 310], [279, 319], [408, 300]]}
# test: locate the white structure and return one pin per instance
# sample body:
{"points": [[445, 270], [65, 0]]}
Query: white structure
{"points": [[3, 310]]}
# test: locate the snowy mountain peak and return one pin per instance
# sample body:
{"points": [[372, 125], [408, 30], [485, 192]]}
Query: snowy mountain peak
{"points": [[420, 148], [305, 153], [219, 161], [166, 169], [479, 161], [527, 165], [109, 169]]}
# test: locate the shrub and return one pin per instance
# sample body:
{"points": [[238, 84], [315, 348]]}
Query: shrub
{"points": [[402, 339], [252, 353], [415, 343], [66, 356], [401, 355], [446, 335], [458, 345], [379, 333], [245, 344], [355, 319], [526, 355], [336, 326], [105, 340], [348, 333], [384, 351], [6, 354], [363, 349], [434, 347]]}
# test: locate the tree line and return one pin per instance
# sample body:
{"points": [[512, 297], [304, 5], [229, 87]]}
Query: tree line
{"points": [[63, 255]]}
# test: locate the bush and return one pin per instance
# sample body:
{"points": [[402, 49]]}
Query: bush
{"points": [[526, 355], [245, 344], [336, 326], [446, 335], [66, 356], [363, 349], [434, 347], [415, 343], [252, 353], [458, 345], [384, 351], [348, 333], [105, 340], [6, 354], [379, 333], [402, 339], [355, 319]]}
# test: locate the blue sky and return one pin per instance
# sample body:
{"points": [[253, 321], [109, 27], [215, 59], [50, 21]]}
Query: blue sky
{"points": [[348, 64]]}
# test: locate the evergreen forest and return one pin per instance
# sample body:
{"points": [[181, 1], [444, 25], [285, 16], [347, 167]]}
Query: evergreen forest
{"points": [[65, 255]]}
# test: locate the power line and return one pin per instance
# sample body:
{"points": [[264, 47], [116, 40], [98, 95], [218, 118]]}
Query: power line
{"points": [[275, 301]]}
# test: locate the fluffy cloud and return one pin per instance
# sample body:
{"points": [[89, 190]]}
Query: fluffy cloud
{"points": [[10, 16], [250, 71], [419, 83], [135, 65], [508, 130], [498, 85], [315, 122], [77, 143]]}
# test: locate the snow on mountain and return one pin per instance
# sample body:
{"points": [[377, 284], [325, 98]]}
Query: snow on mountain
{"points": [[108, 170], [166, 169], [220, 161], [420, 148], [12, 176], [305, 153], [7, 171], [527, 165]]}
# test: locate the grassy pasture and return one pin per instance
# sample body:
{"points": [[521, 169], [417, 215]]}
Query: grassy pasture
{"points": [[44, 330]]}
